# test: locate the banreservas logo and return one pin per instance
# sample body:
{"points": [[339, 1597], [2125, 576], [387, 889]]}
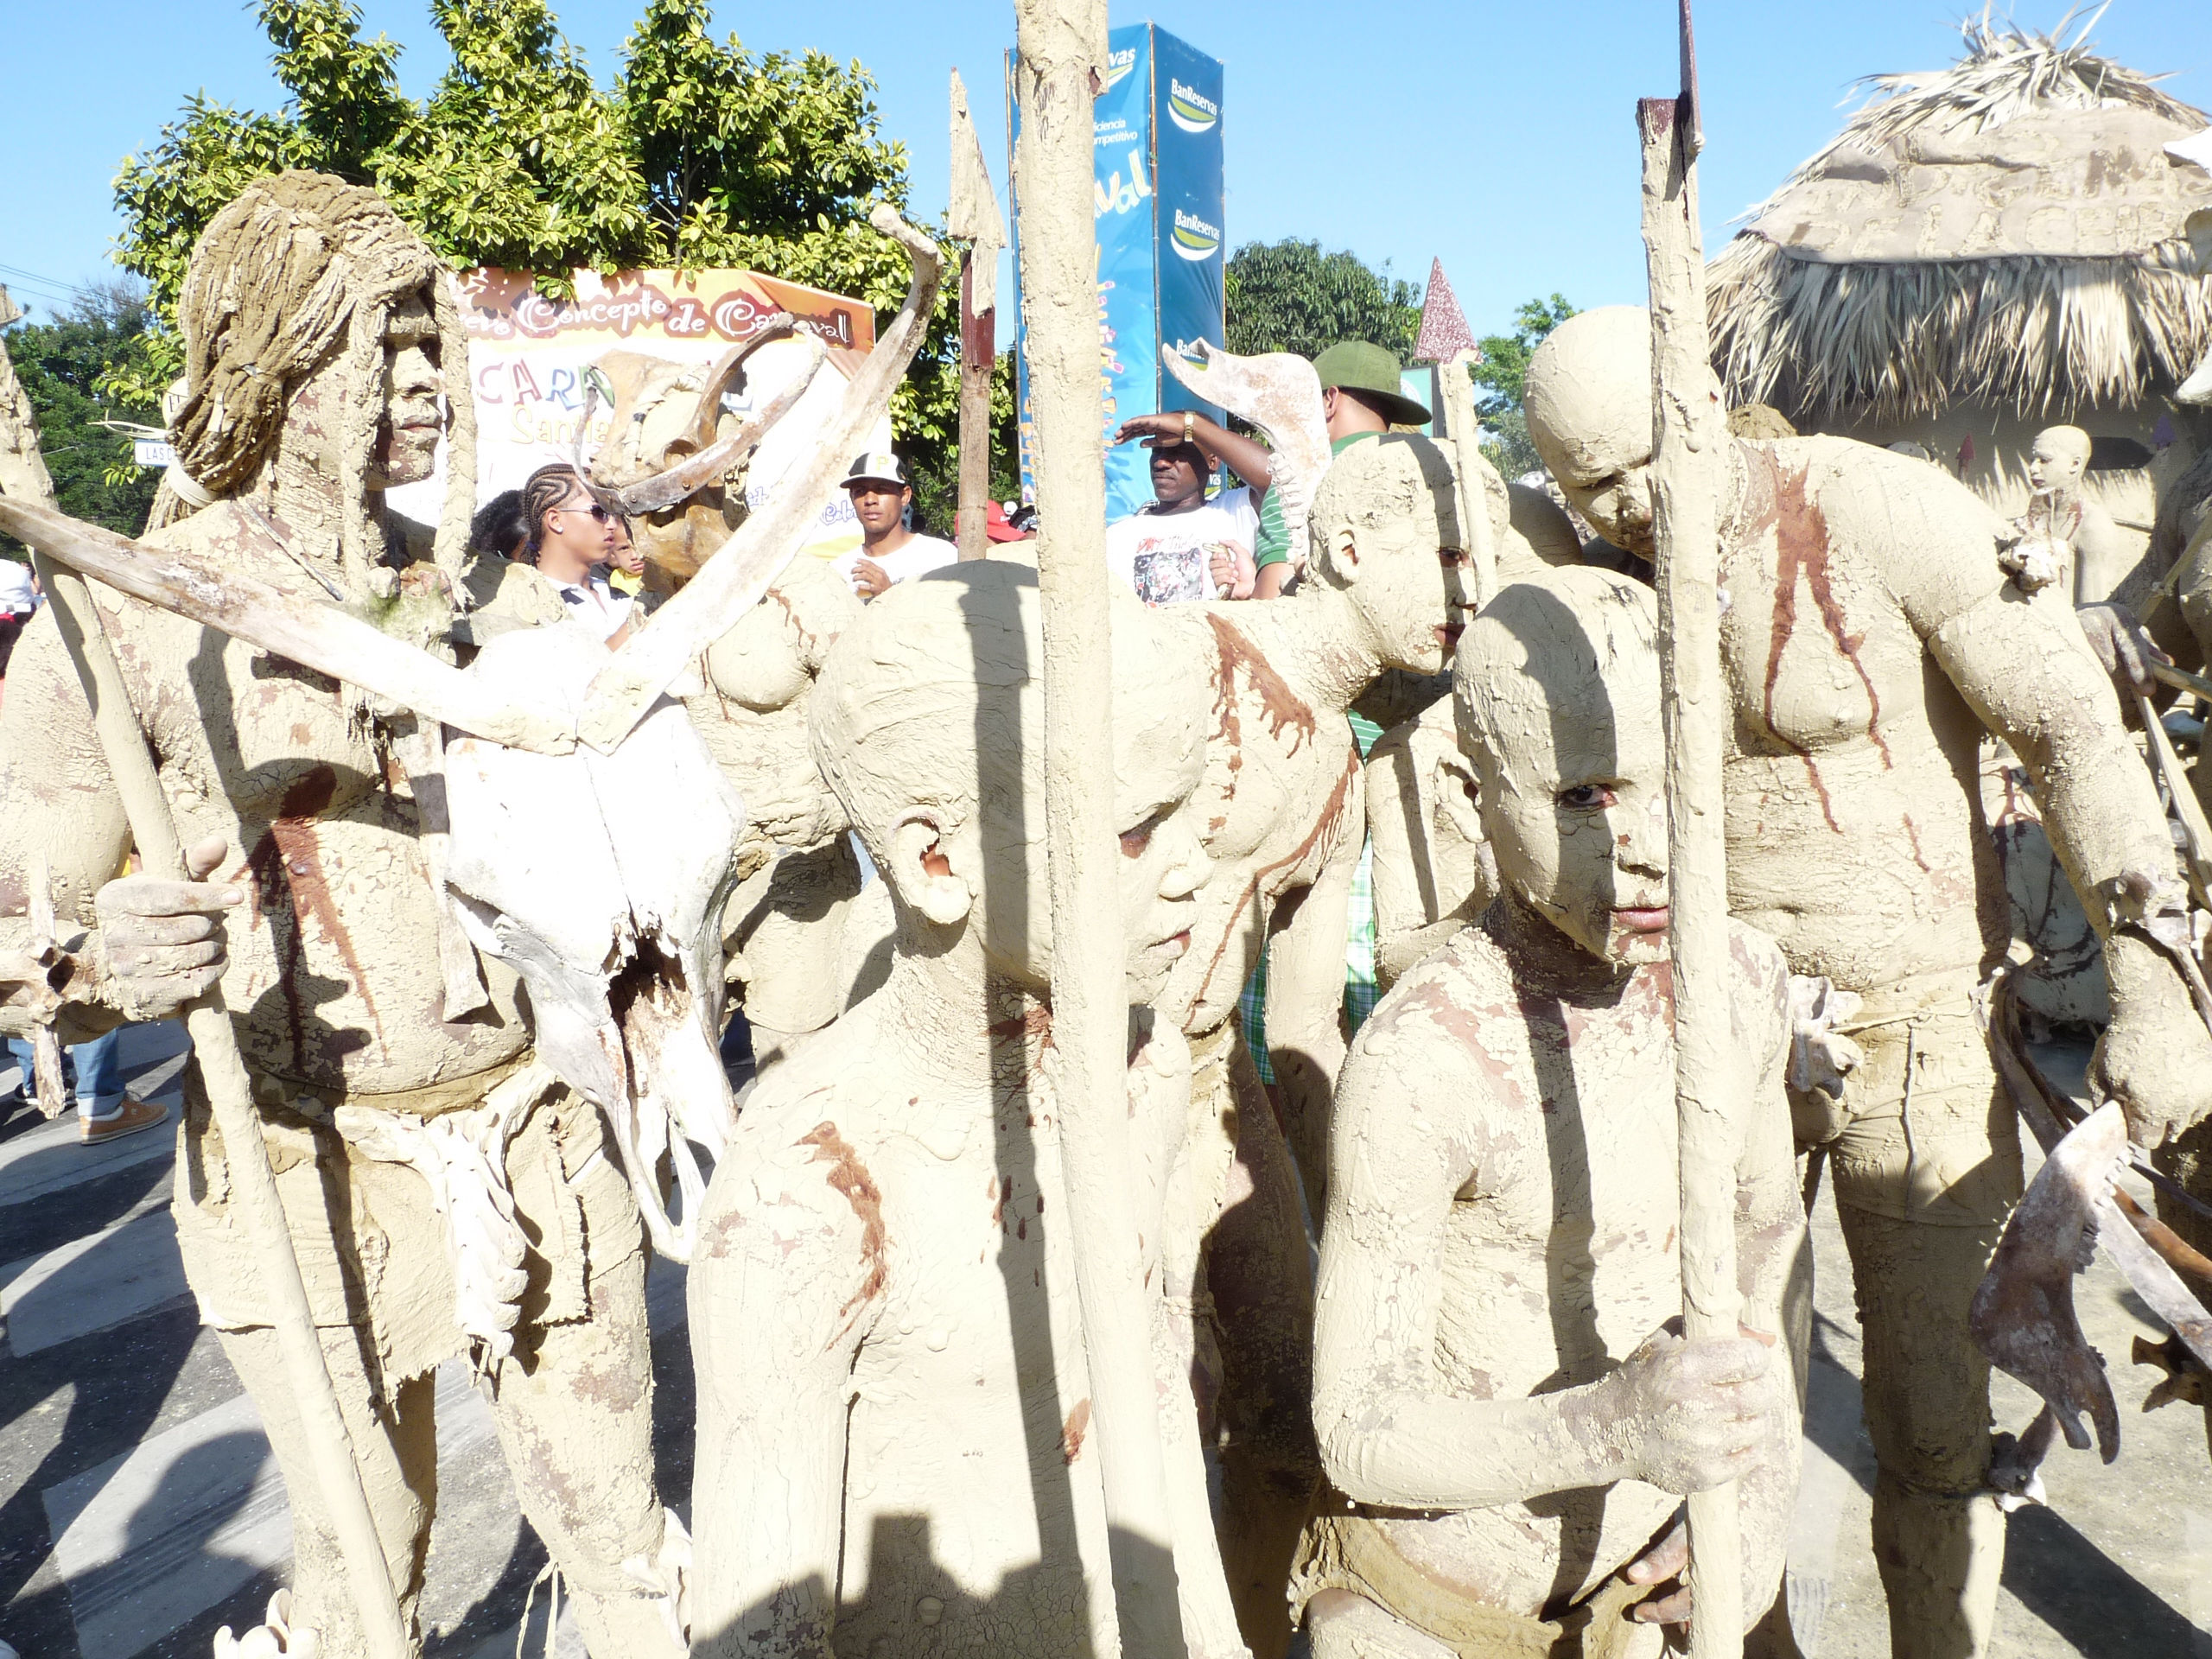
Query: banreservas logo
{"points": [[1190, 109], [1118, 66], [1193, 238]]}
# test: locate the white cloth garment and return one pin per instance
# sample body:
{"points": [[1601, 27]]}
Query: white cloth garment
{"points": [[1167, 557]]}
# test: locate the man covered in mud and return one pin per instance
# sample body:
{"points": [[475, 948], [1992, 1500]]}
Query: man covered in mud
{"points": [[317, 328], [893, 1408], [1870, 637], [1496, 1370]]}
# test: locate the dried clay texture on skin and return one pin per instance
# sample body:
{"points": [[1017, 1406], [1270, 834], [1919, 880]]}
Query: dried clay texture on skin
{"points": [[1432, 871], [895, 1426], [1496, 1241]]}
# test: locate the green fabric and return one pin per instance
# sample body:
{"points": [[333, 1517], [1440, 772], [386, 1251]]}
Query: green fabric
{"points": [[1272, 544]]}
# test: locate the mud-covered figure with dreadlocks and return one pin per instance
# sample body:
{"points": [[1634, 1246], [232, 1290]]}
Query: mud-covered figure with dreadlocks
{"points": [[317, 326]]}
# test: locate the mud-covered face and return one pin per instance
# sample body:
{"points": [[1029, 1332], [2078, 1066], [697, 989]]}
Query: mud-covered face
{"points": [[1413, 583], [407, 435], [1588, 399], [2056, 464], [1159, 757], [1610, 485], [1581, 838]]}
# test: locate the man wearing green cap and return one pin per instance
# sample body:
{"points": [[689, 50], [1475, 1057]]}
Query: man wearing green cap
{"points": [[1360, 399]]}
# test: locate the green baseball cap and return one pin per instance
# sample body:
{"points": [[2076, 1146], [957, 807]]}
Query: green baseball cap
{"points": [[1355, 366]]}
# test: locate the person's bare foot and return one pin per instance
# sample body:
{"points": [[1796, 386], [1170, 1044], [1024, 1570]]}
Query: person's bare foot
{"points": [[132, 1116]]}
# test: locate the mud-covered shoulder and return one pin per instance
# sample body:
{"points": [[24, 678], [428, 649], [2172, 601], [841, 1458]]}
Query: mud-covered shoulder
{"points": [[1438, 1015]]}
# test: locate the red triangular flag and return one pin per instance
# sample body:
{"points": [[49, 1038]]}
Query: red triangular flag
{"points": [[1444, 330]]}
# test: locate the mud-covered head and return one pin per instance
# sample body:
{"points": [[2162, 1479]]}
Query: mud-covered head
{"points": [[317, 330], [1588, 399], [1386, 533], [2058, 458], [1556, 692], [928, 721]]}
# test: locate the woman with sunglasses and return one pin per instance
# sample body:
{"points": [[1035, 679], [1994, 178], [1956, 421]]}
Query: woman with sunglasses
{"points": [[570, 534]]}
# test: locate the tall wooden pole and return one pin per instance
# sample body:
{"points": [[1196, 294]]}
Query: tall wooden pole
{"points": [[974, 218], [1688, 433], [215, 1053], [1061, 50]]}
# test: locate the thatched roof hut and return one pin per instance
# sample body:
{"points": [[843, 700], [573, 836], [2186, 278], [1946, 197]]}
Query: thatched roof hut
{"points": [[1983, 250]]}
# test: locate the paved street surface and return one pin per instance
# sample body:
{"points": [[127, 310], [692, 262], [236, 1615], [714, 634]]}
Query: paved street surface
{"points": [[139, 1507]]}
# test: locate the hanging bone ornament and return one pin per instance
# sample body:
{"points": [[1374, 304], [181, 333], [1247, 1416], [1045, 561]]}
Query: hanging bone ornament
{"points": [[2023, 1312], [1279, 393], [600, 879]]}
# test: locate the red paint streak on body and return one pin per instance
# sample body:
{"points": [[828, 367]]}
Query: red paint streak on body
{"points": [[1912, 834], [850, 1177], [1073, 1430], [1800, 534], [1323, 829], [287, 864], [1280, 705]]}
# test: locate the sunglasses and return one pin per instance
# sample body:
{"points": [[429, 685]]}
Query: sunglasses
{"points": [[595, 508]]}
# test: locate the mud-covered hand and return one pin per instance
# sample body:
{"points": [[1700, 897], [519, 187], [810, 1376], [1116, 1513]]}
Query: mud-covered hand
{"points": [[1666, 1563], [1691, 1416], [162, 939], [1820, 1056], [2123, 647], [2155, 1058]]}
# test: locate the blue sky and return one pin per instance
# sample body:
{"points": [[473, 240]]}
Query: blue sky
{"points": [[1499, 137]]}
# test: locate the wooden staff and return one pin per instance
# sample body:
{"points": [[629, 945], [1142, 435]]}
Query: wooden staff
{"points": [[1688, 431], [974, 217], [1061, 47], [215, 1051]]}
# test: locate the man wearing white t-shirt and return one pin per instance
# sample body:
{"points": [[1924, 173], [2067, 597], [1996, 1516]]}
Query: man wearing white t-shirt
{"points": [[890, 552], [1184, 547]]}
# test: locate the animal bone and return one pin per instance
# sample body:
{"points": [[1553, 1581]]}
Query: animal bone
{"points": [[614, 921], [2022, 1311], [2186, 1377], [1279, 393], [2016, 1462]]}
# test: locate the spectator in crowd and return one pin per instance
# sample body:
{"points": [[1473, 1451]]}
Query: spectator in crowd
{"points": [[1009, 521], [104, 1112], [19, 598], [890, 553], [500, 526], [1360, 399], [625, 571], [570, 535], [1183, 546]]}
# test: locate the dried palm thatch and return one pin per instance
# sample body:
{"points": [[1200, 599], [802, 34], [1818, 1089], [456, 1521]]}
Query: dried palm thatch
{"points": [[2009, 231]]}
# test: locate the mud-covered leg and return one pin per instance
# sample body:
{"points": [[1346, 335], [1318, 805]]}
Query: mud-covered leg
{"points": [[574, 1402], [399, 1454], [1346, 1626], [1939, 1536], [1259, 1271]]}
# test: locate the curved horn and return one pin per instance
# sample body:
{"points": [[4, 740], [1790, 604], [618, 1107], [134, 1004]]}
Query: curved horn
{"points": [[735, 577], [694, 473]]}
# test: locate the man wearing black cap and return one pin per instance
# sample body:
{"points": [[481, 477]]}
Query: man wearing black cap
{"points": [[890, 553], [1360, 399]]}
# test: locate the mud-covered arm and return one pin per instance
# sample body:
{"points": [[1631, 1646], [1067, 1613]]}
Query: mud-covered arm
{"points": [[1305, 985], [788, 1279], [58, 802], [2026, 672]]}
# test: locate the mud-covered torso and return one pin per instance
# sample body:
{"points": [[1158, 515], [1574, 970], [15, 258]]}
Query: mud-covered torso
{"points": [[333, 977], [1282, 790], [1855, 836], [1560, 1253]]}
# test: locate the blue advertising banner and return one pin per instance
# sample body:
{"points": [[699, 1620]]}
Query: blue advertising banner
{"points": [[1158, 167]]}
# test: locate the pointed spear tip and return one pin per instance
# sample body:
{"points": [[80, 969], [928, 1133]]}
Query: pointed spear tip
{"points": [[1444, 332]]}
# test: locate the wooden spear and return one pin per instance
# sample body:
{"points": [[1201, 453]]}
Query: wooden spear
{"points": [[215, 1051], [974, 217], [1061, 58], [1688, 432]]}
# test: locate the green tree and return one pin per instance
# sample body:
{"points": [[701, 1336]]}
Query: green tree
{"points": [[698, 153], [1498, 379], [65, 366], [1291, 296]]}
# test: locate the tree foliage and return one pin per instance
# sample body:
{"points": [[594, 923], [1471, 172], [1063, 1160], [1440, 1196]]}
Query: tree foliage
{"points": [[698, 153], [1291, 296], [1499, 377], [64, 366]]}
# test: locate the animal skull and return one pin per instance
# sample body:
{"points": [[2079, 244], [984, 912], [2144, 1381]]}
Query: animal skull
{"points": [[1279, 393]]}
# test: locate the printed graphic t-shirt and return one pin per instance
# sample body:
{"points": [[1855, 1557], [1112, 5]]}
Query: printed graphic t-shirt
{"points": [[1168, 556]]}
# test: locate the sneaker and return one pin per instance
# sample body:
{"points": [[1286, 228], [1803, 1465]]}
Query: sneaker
{"points": [[132, 1116]]}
